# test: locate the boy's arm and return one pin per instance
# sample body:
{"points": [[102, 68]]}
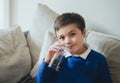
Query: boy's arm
{"points": [[105, 76], [45, 74]]}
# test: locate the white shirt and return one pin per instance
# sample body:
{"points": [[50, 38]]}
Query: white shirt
{"points": [[83, 55]]}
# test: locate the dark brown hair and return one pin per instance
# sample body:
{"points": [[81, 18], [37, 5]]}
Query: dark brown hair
{"points": [[69, 18]]}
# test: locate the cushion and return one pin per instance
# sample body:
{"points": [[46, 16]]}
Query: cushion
{"points": [[110, 47], [42, 20], [48, 40], [15, 60]]}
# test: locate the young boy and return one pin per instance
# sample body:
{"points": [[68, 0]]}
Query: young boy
{"points": [[84, 65]]}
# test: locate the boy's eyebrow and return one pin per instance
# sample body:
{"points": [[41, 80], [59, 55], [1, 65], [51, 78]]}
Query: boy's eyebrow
{"points": [[68, 32], [72, 31]]}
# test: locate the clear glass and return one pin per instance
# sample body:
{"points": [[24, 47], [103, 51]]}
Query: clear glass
{"points": [[56, 60]]}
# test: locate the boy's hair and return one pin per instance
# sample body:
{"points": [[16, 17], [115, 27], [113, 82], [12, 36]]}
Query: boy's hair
{"points": [[69, 18]]}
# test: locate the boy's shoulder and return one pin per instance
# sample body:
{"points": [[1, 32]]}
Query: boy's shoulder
{"points": [[96, 56]]}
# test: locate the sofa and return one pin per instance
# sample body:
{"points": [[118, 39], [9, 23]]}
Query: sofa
{"points": [[15, 59], [22, 52]]}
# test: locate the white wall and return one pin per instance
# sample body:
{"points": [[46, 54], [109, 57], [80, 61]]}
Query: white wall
{"points": [[100, 15]]}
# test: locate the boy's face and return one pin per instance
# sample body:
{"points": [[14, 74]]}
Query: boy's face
{"points": [[72, 38]]}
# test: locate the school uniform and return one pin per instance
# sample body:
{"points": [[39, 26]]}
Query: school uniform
{"points": [[89, 67]]}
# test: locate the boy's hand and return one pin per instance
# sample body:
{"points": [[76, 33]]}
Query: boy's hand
{"points": [[52, 50]]}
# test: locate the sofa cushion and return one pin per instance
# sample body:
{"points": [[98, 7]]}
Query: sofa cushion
{"points": [[48, 40], [42, 20], [15, 60], [49, 36], [110, 47]]}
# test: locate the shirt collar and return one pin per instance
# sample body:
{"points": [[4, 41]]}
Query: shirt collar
{"points": [[83, 55]]}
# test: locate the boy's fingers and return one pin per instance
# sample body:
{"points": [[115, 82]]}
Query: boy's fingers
{"points": [[54, 48], [58, 43]]}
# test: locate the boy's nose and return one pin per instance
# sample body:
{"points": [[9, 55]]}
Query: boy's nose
{"points": [[68, 40]]}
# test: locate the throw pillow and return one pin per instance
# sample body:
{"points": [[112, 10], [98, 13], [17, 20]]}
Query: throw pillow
{"points": [[42, 21], [48, 40], [15, 60]]}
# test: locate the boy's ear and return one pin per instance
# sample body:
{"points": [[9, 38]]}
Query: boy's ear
{"points": [[85, 33]]}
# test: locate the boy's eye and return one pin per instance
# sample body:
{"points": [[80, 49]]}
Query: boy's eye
{"points": [[72, 34], [61, 38]]}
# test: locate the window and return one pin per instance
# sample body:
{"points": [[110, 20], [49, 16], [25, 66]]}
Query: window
{"points": [[4, 14], [1, 13]]}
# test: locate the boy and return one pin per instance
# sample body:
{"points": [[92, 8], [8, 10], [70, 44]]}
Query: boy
{"points": [[84, 65]]}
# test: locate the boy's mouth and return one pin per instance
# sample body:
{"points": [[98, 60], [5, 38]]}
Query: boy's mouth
{"points": [[70, 46]]}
